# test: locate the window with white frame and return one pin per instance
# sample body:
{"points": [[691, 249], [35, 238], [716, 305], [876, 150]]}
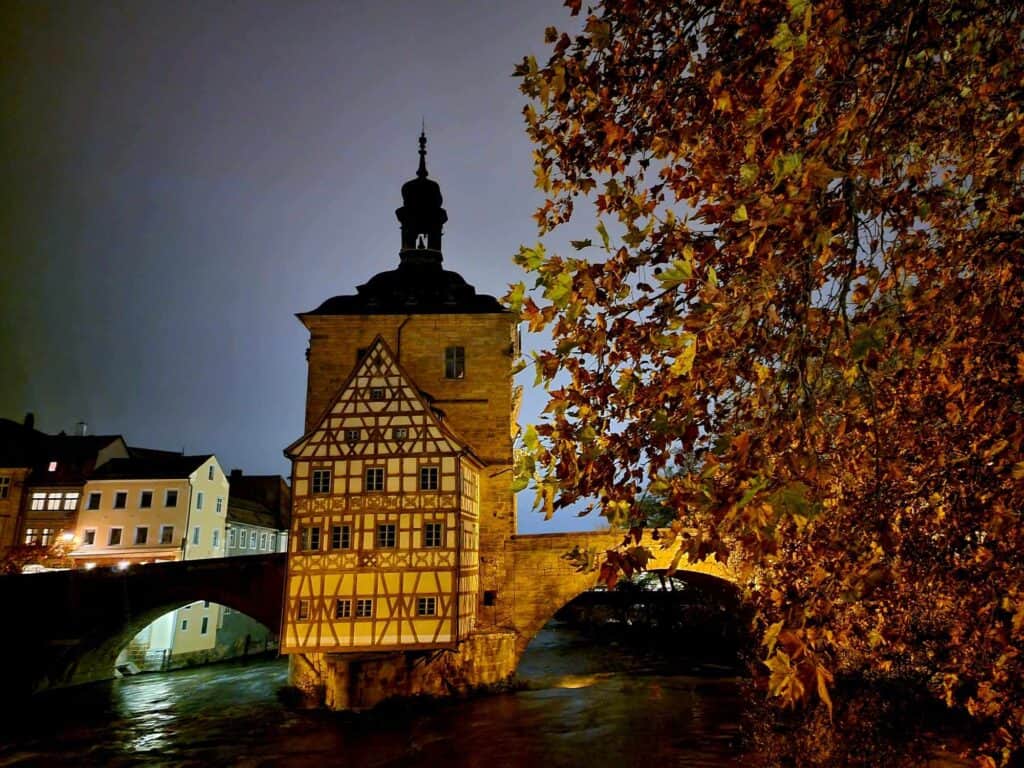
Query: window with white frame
{"points": [[426, 606], [364, 609], [386, 536], [351, 435], [303, 612], [166, 534], [120, 499], [432, 534], [455, 362], [341, 537], [252, 539], [342, 609], [263, 541], [38, 501], [232, 537], [219, 507], [243, 539], [89, 537], [216, 538], [53, 500], [70, 502], [428, 478], [94, 500], [114, 539], [400, 433], [141, 534], [145, 499], [321, 481], [309, 538], [39, 537], [375, 479]]}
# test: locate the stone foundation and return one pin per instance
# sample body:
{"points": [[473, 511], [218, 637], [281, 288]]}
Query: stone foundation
{"points": [[361, 681]]}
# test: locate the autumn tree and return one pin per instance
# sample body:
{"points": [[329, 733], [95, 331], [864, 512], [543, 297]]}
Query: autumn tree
{"points": [[801, 321]]}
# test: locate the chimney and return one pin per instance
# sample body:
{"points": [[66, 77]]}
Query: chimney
{"points": [[83, 429], [235, 474], [30, 420]]}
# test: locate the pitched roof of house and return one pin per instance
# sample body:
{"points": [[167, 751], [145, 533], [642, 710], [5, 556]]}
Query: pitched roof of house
{"points": [[172, 465]]}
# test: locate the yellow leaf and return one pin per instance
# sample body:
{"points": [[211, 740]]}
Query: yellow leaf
{"points": [[824, 678], [772, 635], [740, 214]]}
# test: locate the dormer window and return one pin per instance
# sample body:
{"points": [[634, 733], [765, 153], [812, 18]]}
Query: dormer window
{"points": [[52, 467]]}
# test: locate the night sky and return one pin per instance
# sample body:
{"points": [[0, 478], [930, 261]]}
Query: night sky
{"points": [[181, 178]]}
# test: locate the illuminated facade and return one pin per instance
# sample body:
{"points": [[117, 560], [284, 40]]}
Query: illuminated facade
{"points": [[401, 484]]}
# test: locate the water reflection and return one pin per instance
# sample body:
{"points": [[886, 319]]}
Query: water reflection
{"points": [[580, 705]]}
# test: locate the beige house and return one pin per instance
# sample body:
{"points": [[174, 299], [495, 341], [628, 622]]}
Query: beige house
{"points": [[155, 507], [152, 508]]}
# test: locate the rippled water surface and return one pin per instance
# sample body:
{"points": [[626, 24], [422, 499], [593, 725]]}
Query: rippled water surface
{"points": [[581, 705]]}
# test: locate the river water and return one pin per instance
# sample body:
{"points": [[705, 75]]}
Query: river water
{"points": [[579, 705]]}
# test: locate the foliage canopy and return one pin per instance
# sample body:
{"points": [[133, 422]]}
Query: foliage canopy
{"points": [[801, 324]]}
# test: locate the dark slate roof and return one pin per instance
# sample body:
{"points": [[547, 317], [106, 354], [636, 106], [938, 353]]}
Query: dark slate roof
{"points": [[415, 287], [75, 455], [171, 465], [266, 494], [19, 444], [252, 513]]}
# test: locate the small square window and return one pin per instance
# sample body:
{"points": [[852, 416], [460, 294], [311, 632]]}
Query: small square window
{"points": [[52, 467], [490, 597], [351, 435], [342, 609], [432, 535], [94, 500], [141, 534], [400, 433], [428, 478], [455, 362], [341, 537], [303, 612], [145, 499], [375, 479], [364, 609], [309, 538], [376, 393], [171, 499], [120, 499], [166, 534], [89, 536], [115, 537], [321, 481], [386, 536], [426, 606]]}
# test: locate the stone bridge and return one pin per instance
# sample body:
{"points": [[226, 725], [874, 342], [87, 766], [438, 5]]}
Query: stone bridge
{"points": [[543, 579], [67, 627]]}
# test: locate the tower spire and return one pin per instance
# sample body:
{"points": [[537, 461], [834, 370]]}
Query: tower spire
{"points": [[421, 172]]}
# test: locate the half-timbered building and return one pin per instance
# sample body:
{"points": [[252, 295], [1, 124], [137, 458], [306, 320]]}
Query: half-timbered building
{"points": [[386, 542], [402, 502]]}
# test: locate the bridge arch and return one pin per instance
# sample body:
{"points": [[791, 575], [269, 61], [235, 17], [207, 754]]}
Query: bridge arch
{"points": [[72, 624], [543, 580]]}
